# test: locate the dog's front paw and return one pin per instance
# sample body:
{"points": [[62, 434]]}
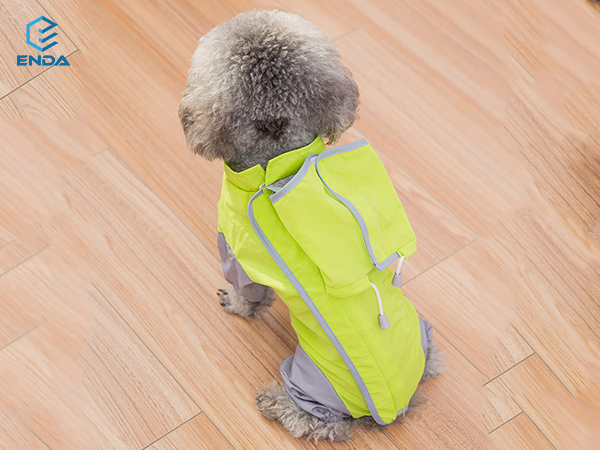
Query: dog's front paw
{"points": [[228, 299], [233, 303]]}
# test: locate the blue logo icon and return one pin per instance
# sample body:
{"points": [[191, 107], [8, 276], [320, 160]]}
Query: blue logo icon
{"points": [[42, 40], [42, 60]]}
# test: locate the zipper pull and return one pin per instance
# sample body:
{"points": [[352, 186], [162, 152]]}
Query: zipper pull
{"points": [[397, 280]]}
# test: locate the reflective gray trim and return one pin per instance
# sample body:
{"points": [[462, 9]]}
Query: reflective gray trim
{"points": [[343, 148], [280, 183], [294, 181], [361, 222], [387, 261], [313, 309]]}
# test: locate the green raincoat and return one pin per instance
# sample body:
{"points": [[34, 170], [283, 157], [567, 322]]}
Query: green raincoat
{"points": [[321, 228]]}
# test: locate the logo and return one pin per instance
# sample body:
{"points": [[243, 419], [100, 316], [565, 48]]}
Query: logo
{"points": [[42, 31], [41, 43]]}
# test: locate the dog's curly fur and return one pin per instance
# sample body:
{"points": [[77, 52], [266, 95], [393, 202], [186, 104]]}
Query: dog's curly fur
{"points": [[262, 84]]}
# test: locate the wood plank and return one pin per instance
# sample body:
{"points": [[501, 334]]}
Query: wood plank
{"points": [[15, 17], [182, 23], [15, 434], [499, 408], [69, 142], [135, 399], [551, 261], [16, 318], [470, 304], [451, 416], [568, 41], [449, 46], [35, 154], [40, 374], [520, 434], [5, 236], [26, 198], [54, 94], [557, 414], [147, 134], [11, 255], [444, 148], [197, 434]]}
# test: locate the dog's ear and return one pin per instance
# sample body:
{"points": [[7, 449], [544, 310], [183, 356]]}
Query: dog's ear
{"points": [[338, 110], [205, 135]]}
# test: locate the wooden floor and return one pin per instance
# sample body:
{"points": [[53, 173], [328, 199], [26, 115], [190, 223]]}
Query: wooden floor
{"points": [[485, 114]]}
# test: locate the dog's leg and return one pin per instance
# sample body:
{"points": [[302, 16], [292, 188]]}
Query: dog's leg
{"points": [[367, 422], [234, 303], [435, 364], [275, 403]]}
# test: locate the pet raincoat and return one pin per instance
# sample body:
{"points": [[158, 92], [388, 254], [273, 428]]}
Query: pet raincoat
{"points": [[321, 228]]}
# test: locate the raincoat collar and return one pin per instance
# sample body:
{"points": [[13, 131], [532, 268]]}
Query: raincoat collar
{"points": [[279, 167]]}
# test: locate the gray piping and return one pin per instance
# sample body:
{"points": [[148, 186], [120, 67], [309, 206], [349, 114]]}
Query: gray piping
{"points": [[294, 181], [343, 148], [348, 204], [313, 308]]}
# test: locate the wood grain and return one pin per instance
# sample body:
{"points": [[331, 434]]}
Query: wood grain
{"points": [[41, 373], [181, 24], [134, 107], [53, 94], [499, 408], [486, 116], [520, 434], [451, 416], [197, 434], [448, 45], [558, 415], [26, 197], [5, 236], [473, 308], [15, 434], [135, 401]]}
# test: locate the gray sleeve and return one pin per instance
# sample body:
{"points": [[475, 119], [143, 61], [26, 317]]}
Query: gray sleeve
{"points": [[310, 389], [236, 275]]}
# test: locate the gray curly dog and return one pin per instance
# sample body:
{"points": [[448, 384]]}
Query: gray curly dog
{"points": [[262, 84]]}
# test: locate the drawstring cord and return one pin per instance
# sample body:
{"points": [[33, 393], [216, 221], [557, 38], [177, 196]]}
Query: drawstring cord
{"points": [[397, 280], [399, 266], [383, 320]]}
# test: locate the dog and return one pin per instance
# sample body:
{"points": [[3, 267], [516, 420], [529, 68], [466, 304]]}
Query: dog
{"points": [[263, 91]]}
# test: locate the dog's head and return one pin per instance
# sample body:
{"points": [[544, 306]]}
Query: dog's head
{"points": [[263, 83]]}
